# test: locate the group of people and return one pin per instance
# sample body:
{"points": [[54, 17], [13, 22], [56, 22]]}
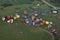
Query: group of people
{"points": [[33, 20]]}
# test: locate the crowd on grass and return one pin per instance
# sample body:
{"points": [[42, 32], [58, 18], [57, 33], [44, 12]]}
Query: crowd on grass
{"points": [[33, 20]]}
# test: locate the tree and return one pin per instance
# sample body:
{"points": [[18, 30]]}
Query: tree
{"points": [[6, 3]]}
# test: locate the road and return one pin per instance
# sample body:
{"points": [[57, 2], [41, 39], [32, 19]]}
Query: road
{"points": [[50, 5]]}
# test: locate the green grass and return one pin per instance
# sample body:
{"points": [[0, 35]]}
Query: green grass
{"points": [[12, 31]]}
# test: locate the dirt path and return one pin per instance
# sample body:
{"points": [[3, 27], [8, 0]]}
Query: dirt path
{"points": [[45, 31]]}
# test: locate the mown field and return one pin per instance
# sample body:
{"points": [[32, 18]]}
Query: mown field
{"points": [[21, 31]]}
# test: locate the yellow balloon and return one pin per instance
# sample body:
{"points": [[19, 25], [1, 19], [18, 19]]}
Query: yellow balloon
{"points": [[46, 22]]}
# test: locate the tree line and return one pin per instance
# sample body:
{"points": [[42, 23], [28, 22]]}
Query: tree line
{"points": [[14, 2]]}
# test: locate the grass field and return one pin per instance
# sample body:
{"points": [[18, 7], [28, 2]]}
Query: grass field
{"points": [[21, 31]]}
